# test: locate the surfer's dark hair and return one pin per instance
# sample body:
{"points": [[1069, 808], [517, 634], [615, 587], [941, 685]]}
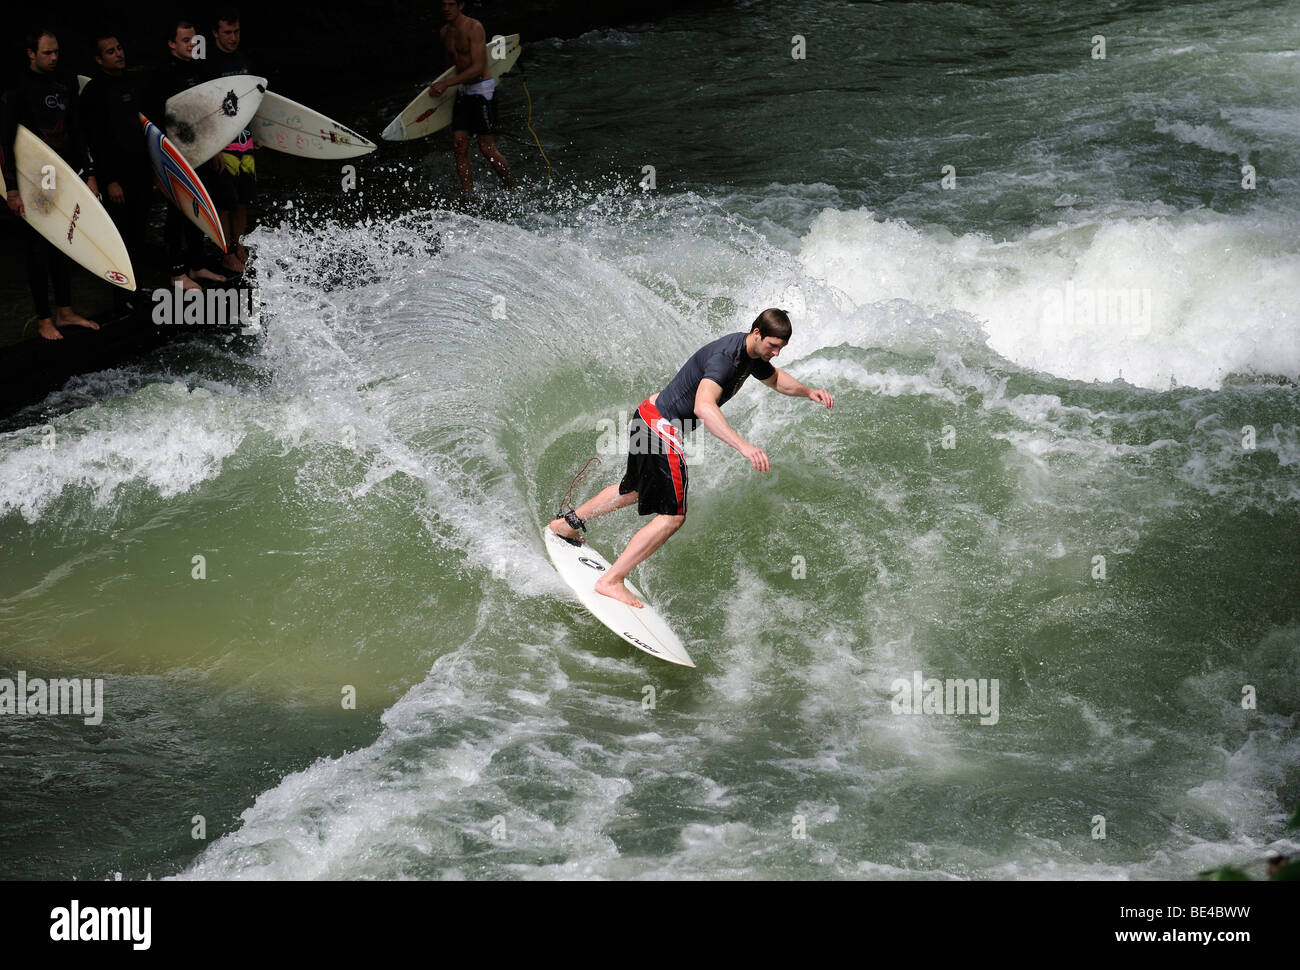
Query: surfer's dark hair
{"points": [[33, 38], [226, 15], [180, 23], [773, 323]]}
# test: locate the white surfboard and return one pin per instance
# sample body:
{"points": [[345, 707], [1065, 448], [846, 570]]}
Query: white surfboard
{"points": [[580, 567], [62, 208], [427, 114], [204, 119], [295, 129]]}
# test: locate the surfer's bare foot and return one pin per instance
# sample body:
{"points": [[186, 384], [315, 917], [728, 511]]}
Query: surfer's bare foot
{"points": [[68, 317], [617, 591], [185, 282], [566, 531], [46, 328], [233, 263], [204, 273]]}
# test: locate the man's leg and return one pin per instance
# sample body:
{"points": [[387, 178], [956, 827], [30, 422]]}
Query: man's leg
{"points": [[487, 145], [247, 185], [239, 226], [229, 259], [651, 536], [193, 241], [130, 217], [605, 501], [38, 280], [174, 240], [61, 274], [460, 145]]}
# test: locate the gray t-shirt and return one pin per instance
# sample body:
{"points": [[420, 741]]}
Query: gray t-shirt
{"points": [[724, 361]]}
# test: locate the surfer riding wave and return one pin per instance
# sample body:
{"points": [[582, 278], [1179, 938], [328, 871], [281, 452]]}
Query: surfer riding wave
{"points": [[656, 478]]}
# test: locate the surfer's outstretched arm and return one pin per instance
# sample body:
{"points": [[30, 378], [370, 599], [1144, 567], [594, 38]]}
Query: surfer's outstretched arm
{"points": [[709, 412], [783, 383]]}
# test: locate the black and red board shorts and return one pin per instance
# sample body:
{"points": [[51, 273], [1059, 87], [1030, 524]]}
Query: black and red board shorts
{"points": [[475, 114], [656, 463]]}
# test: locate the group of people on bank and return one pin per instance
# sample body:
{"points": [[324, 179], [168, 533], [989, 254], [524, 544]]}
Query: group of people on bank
{"points": [[97, 131]]}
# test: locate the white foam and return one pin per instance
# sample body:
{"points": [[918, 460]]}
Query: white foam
{"points": [[1158, 300], [1202, 136], [165, 436]]}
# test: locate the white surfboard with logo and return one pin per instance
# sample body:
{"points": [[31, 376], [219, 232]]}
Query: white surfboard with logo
{"points": [[427, 114], [580, 567], [61, 207], [296, 129], [204, 119]]}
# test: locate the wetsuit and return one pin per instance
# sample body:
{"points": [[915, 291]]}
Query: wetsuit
{"points": [[656, 465], [111, 106], [237, 180], [183, 239], [47, 105]]}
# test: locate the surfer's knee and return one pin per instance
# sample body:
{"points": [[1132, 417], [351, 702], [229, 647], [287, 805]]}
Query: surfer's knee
{"points": [[673, 522], [487, 146], [460, 142]]}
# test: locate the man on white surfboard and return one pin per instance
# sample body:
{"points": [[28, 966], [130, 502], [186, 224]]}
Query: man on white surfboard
{"points": [[475, 111], [656, 465]]}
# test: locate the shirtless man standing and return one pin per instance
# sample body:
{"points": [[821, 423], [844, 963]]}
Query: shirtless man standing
{"points": [[475, 111]]}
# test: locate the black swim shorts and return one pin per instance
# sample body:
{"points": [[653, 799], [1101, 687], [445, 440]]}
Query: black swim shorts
{"points": [[656, 464], [475, 114]]}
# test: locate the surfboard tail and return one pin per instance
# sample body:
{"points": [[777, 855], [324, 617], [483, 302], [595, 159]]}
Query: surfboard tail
{"points": [[645, 629]]}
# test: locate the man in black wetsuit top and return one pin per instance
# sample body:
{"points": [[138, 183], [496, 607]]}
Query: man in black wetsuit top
{"points": [[233, 183], [111, 106], [180, 72], [46, 104], [656, 466]]}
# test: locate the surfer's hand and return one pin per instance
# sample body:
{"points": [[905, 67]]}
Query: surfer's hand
{"points": [[437, 87], [757, 457], [822, 396], [16, 204], [115, 193], [93, 184]]}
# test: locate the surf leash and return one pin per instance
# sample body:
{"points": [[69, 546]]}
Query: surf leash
{"points": [[533, 133], [571, 516]]}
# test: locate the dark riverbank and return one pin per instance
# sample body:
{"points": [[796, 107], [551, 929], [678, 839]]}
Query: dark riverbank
{"points": [[372, 39], [369, 48]]}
